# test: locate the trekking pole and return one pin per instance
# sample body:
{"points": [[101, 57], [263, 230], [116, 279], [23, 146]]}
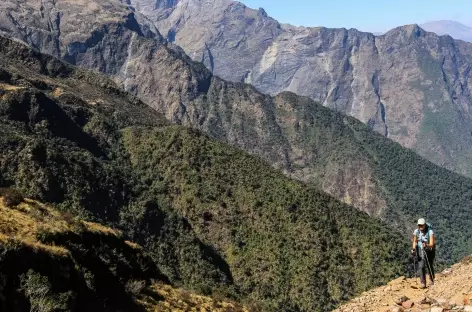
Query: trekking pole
{"points": [[429, 266], [414, 257], [414, 265]]}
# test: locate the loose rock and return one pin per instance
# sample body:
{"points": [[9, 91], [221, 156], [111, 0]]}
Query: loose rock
{"points": [[408, 304]]}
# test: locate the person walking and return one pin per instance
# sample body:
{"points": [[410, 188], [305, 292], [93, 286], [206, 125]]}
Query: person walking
{"points": [[423, 245]]}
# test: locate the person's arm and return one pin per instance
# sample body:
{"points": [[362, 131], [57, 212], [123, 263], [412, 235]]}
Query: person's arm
{"points": [[414, 242], [431, 240]]}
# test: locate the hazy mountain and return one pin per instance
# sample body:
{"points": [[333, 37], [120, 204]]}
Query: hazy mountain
{"points": [[454, 29]]}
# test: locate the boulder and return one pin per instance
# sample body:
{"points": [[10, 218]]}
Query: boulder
{"points": [[408, 304]]}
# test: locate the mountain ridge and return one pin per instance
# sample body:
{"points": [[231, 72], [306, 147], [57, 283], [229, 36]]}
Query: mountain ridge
{"points": [[408, 84], [301, 138]]}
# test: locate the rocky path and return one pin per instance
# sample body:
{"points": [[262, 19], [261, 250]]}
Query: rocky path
{"points": [[452, 291]]}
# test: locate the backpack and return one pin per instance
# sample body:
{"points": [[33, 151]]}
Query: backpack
{"points": [[428, 227]]}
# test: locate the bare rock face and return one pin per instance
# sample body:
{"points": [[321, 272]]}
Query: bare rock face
{"points": [[109, 36], [409, 85]]}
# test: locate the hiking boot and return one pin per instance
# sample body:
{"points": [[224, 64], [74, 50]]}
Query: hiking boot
{"points": [[423, 286]]}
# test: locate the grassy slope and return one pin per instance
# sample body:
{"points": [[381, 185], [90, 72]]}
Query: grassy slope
{"points": [[54, 261]]}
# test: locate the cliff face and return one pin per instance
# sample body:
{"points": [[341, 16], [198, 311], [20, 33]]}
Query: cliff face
{"points": [[409, 85], [108, 36]]}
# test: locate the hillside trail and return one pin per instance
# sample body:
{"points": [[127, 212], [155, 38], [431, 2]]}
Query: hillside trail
{"points": [[452, 291]]}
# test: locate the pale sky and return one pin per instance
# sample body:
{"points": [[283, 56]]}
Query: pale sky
{"points": [[365, 15]]}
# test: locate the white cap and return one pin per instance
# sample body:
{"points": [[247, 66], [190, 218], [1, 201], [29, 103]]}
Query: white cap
{"points": [[421, 221]]}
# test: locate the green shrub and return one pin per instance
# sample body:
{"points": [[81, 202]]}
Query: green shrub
{"points": [[134, 287], [38, 290]]}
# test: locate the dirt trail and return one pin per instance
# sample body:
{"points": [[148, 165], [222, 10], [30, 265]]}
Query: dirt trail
{"points": [[451, 288]]}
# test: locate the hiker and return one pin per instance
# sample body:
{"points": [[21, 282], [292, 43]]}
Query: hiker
{"points": [[424, 247]]}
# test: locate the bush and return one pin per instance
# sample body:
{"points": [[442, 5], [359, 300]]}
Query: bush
{"points": [[11, 197], [135, 287], [38, 290], [43, 235]]}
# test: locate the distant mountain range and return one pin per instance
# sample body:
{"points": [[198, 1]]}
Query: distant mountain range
{"points": [[454, 29], [445, 27]]}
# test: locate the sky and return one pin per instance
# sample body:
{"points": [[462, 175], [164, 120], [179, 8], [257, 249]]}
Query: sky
{"points": [[365, 15]]}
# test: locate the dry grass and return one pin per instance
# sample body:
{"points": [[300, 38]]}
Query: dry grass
{"points": [[96, 102], [7, 87], [57, 92], [98, 228], [180, 300], [133, 245], [35, 245], [22, 224]]}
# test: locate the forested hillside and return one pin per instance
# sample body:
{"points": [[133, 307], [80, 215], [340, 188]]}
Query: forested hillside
{"points": [[212, 218]]}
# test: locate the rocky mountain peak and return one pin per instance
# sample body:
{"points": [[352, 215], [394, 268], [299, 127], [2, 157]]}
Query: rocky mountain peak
{"points": [[263, 13], [407, 31]]}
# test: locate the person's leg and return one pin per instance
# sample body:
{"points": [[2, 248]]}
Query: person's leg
{"points": [[428, 263], [421, 270], [431, 256]]}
